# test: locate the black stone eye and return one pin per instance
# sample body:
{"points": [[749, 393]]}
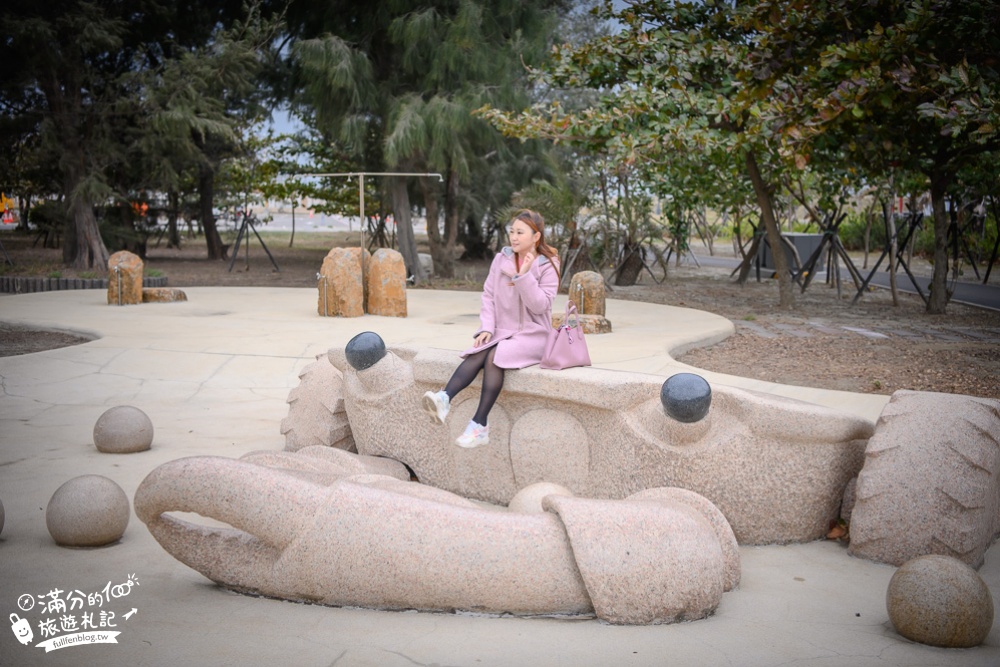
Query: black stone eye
{"points": [[686, 397], [364, 350]]}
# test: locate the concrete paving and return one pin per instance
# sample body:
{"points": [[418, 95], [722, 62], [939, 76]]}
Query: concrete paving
{"points": [[213, 374]]}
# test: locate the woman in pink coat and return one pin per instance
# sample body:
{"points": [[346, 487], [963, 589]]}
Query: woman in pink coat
{"points": [[515, 319]]}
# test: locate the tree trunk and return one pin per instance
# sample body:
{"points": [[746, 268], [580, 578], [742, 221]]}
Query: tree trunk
{"points": [[206, 195], [84, 247], [404, 227], [763, 192], [173, 234], [451, 220], [890, 233], [938, 300], [438, 253], [630, 266]]}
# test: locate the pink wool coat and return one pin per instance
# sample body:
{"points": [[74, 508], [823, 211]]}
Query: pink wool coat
{"points": [[517, 311]]}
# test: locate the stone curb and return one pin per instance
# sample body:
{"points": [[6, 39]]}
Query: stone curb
{"points": [[28, 284]]}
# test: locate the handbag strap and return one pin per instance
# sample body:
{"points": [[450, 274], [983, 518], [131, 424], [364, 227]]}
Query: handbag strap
{"points": [[571, 311]]}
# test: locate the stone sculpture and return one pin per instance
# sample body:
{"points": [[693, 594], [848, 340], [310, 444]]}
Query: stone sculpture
{"points": [[931, 480], [123, 429], [316, 413], [87, 511], [680, 472], [343, 529], [775, 467], [941, 601]]}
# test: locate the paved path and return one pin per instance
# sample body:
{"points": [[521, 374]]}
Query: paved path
{"points": [[967, 292], [214, 373]]}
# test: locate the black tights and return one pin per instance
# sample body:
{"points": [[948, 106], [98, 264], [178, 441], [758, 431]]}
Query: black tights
{"points": [[492, 381]]}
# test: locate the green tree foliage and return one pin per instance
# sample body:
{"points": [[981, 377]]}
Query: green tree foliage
{"points": [[667, 105], [846, 91], [124, 96], [396, 82], [891, 86]]}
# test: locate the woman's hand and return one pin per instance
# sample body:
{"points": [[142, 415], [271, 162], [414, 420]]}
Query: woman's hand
{"points": [[482, 339], [526, 262]]}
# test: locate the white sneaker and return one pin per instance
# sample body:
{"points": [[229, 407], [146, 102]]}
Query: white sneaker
{"points": [[475, 435], [437, 404]]}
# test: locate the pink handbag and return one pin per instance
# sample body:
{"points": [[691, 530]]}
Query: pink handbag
{"points": [[566, 346]]}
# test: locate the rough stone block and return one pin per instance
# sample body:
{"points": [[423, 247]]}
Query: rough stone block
{"points": [[124, 279], [340, 283], [587, 291], [591, 324], [386, 282], [162, 295]]}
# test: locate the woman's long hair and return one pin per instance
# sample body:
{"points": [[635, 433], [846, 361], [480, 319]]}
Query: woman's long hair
{"points": [[537, 224]]}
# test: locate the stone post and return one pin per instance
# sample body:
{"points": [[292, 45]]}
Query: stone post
{"points": [[586, 290], [340, 283], [124, 278]]}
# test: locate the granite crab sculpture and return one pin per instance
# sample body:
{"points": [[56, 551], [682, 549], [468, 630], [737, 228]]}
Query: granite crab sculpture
{"points": [[776, 467], [410, 521]]}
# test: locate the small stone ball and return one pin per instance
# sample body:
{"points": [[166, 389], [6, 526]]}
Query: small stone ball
{"points": [[686, 397], [364, 350], [122, 430], [87, 511], [529, 499], [940, 601]]}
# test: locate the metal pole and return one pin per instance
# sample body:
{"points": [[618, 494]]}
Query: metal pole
{"points": [[361, 199]]}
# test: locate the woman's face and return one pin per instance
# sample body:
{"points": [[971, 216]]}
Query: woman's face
{"points": [[522, 237]]}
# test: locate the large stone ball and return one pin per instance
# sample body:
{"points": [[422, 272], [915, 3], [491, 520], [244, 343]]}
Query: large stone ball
{"points": [[686, 397], [122, 430], [529, 499], [87, 511], [940, 601], [365, 350]]}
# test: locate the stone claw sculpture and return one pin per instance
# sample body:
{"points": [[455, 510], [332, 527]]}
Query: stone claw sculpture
{"points": [[330, 527]]}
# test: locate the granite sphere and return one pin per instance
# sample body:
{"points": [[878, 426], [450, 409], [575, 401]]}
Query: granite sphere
{"points": [[529, 499], [122, 430], [940, 601], [364, 350], [87, 511], [686, 397]]}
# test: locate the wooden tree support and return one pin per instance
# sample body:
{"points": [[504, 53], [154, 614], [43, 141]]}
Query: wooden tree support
{"points": [[832, 245], [572, 255], [996, 244], [913, 223], [248, 224]]}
